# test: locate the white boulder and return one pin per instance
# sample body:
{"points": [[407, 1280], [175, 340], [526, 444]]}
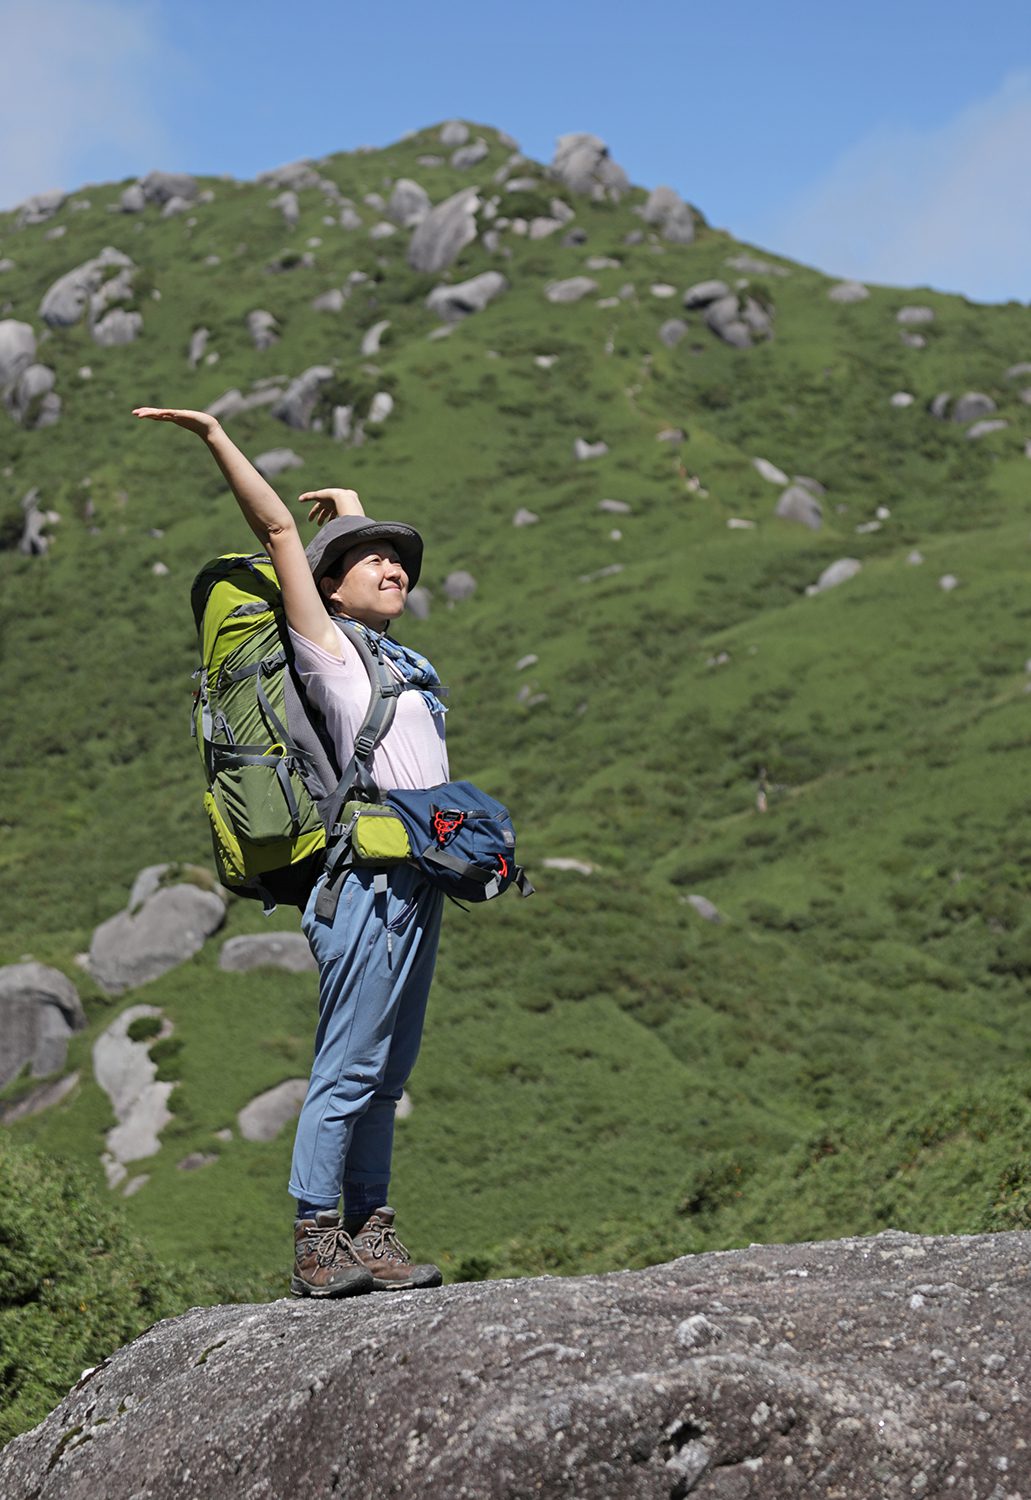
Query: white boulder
{"points": [[571, 289], [583, 164], [452, 303], [445, 231]]}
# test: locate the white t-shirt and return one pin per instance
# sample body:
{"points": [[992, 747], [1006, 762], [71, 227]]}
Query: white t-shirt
{"points": [[411, 755]]}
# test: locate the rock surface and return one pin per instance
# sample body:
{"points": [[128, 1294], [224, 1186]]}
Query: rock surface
{"points": [[125, 1071], [162, 187], [738, 320], [260, 950], [277, 461], [571, 289], [838, 572], [169, 927], [32, 400], [39, 208], [797, 504], [17, 350], [582, 163], [972, 406], [39, 1099], [297, 404], [265, 1116], [119, 326], [672, 331], [866, 1369], [409, 203], [452, 303], [443, 234], [263, 328], [769, 471], [849, 291], [667, 209], [39, 1010], [459, 586], [67, 299]]}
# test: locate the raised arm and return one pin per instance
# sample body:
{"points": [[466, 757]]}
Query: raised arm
{"points": [[270, 520], [330, 503]]}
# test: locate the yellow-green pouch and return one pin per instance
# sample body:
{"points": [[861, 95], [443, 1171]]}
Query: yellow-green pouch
{"points": [[378, 836]]}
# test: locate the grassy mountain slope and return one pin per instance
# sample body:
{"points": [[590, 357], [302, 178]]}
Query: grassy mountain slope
{"points": [[606, 1078]]}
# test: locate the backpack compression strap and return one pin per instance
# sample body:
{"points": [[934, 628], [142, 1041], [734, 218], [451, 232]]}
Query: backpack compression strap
{"points": [[385, 689]]}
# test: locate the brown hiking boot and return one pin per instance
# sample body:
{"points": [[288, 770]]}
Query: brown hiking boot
{"points": [[381, 1252], [325, 1263]]}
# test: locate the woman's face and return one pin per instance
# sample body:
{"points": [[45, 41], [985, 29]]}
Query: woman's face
{"points": [[373, 586]]}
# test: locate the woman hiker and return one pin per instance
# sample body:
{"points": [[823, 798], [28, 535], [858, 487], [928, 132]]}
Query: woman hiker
{"points": [[375, 961]]}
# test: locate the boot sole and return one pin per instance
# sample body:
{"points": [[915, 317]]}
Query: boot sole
{"points": [[353, 1287], [405, 1286]]}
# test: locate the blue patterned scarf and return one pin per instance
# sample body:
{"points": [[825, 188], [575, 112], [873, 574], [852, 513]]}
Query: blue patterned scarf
{"points": [[413, 667]]}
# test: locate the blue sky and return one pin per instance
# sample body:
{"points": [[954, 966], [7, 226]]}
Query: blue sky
{"points": [[889, 141]]}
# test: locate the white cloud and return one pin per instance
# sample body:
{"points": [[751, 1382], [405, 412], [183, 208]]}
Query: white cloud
{"points": [[948, 207], [77, 88]]}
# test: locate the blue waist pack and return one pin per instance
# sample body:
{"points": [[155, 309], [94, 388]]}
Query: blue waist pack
{"points": [[460, 838]]}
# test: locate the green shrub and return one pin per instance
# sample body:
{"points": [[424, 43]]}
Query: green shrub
{"points": [[143, 1028], [74, 1284], [167, 1055]]}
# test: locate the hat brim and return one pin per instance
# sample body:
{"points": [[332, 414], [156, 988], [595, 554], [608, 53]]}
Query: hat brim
{"points": [[339, 536]]}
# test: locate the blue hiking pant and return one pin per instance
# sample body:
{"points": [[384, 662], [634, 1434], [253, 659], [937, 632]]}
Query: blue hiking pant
{"points": [[375, 961]]}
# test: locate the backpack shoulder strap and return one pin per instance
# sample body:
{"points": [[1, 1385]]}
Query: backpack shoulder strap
{"points": [[385, 689]]}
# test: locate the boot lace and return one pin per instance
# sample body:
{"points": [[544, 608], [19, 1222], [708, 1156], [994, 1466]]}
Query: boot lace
{"points": [[332, 1247], [383, 1243]]}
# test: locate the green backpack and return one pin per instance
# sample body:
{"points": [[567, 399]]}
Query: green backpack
{"points": [[273, 785]]}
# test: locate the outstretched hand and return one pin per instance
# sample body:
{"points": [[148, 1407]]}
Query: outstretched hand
{"points": [[330, 503], [199, 422]]}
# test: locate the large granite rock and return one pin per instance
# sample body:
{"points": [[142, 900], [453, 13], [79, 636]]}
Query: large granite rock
{"points": [[444, 233], [67, 299], [582, 163], [162, 187], [268, 950], [32, 400], [39, 1011], [297, 404], [39, 208], [295, 174], [867, 1369], [797, 504], [452, 303], [666, 209], [277, 461], [232, 402], [470, 156], [289, 206], [119, 326], [146, 940], [126, 1072], [262, 327], [17, 350], [571, 289], [704, 293], [264, 1117], [738, 320], [971, 407], [409, 203]]}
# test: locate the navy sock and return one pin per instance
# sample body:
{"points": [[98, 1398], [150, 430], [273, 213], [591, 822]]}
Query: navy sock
{"points": [[362, 1199], [307, 1210]]}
